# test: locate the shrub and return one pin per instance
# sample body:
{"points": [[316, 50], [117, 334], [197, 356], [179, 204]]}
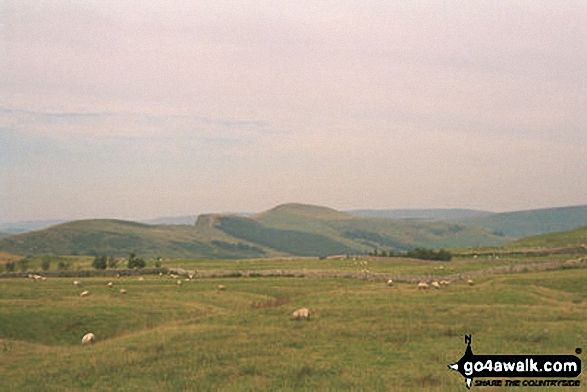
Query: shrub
{"points": [[63, 265], [23, 265], [46, 264], [135, 262], [112, 262], [100, 262]]}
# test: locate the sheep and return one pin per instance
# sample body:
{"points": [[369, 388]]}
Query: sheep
{"points": [[221, 287], [84, 293], [436, 285], [110, 284], [422, 286], [470, 282], [122, 291], [390, 282], [303, 313], [444, 282], [179, 282], [77, 283], [141, 279], [88, 338]]}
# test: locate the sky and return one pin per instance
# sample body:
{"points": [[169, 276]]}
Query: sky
{"points": [[143, 109]]}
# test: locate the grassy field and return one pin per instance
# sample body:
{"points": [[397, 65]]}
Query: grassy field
{"points": [[363, 335]]}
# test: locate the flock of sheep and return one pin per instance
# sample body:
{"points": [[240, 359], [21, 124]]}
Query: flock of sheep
{"points": [[299, 314]]}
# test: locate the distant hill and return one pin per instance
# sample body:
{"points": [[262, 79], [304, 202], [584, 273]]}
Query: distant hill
{"points": [[576, 237], [422, 214], [172, 220], [291, 230], [119, 238], [305, 229], [521, 224]]}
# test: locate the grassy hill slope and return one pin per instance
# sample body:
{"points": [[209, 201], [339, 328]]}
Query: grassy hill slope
{"points": [[422, 214], [119, 238], [289, 229], [532, 222], [334, 231], [577, 237]]}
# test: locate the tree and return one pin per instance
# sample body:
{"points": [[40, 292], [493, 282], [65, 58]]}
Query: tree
{"points": [[23, 265], [112, 262], [46, 263], [100, 262], [63, 265], [135, 262]]}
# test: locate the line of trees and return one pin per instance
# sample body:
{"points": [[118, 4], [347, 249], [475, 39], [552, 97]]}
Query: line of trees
{"points": [[417, 253], [103, 262]]}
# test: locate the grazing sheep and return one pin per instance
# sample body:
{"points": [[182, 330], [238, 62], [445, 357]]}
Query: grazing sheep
{"points": [[470, 282], [179, 282], [444, 282], [77, 283], [303, 313], [422, 286], [84, 293], [221, 287], [141, 279], [122, 291], [88, 338], [436, 285], [390, 282], [110, 284]]}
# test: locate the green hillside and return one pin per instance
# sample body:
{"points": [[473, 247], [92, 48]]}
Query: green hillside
{"points": [[422, 214], [333, 230], [521, 224], [577, 237], [289, 229], [119, 238]]}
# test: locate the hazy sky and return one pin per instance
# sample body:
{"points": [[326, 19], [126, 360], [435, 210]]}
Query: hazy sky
{"points": [[140, 109]]}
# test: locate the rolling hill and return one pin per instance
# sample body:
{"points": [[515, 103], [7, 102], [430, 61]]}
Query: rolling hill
{"points": [[519, 224], [571, 238], [422, 214], [288, 230], [119, 238]]}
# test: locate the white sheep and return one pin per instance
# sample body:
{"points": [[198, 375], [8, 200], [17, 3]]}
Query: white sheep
{"points": [[470, 282], [122, 291], [77, 283], [179, 282], [422, 286], [88, 338], [303, 313], [84, 293], [444, 282], [436, 285], [110, 284], [390, 282], [221, 287], [141, 279]]}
